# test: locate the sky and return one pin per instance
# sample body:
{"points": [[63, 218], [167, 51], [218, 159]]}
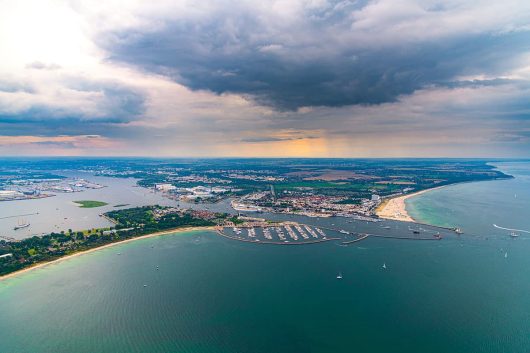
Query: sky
{"points": [[268, 78]]}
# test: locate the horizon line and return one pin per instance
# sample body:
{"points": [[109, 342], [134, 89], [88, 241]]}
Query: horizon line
{"points": [[257, 157]]}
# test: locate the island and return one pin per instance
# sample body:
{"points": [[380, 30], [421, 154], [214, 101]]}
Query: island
{"points": [[90, 203]]}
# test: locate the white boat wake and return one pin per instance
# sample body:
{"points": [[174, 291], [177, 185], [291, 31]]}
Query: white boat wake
{"points": [[513, 230]]}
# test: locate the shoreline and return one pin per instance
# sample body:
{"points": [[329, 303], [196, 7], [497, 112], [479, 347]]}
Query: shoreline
{"points": [[67, 257], [395, 208]]}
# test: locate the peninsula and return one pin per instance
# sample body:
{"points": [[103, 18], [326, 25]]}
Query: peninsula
{"points": [[130, 224]]}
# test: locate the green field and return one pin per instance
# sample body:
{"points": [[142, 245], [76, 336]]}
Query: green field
{"points": [[90, 203]]}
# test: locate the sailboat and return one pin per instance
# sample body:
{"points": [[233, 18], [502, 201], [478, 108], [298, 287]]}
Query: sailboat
{"points": [[384, 265], [505, 255], [21, 224], [339, 276]]}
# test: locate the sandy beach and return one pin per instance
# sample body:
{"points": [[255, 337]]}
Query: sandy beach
{"points": [[157, 234], [395, 208]]}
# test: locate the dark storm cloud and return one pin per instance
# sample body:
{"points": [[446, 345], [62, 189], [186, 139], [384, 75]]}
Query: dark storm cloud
{"points": [[115, 104], [120, 103], [313, 63]]}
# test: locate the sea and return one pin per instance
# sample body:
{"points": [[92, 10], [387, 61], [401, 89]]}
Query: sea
{"points": [[198, 292]]}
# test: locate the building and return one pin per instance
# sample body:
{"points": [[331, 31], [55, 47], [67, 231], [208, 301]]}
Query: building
{"points": [[376, 197], [164, 187]]}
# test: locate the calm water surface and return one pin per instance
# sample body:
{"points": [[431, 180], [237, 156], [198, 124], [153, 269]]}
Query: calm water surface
{"points": [[211, 294], [60, 213]]}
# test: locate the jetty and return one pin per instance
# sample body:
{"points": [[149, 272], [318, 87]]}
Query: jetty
{"points": [[361, 237]]}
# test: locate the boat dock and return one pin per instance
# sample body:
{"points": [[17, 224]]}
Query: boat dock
{"points": [[292, 233]]}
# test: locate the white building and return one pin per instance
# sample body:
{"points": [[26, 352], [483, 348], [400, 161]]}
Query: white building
{"points": [[376, 197], [164, 187]]}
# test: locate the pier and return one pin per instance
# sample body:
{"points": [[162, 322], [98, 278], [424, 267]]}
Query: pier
{"points": [[404, 238], [362, 237]]}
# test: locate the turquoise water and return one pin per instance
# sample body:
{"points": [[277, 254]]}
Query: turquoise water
{"points": [[475, 207], [212, 294]]}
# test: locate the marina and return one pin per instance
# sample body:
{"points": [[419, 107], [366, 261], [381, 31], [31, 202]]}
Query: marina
{"points": [[293, 233]]}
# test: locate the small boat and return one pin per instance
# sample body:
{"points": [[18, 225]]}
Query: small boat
{"points": [[458, 231], [505, 255], [384, 265], [416, 231], [514, 235], [344, 231], [145, 285], [21, 225], [385, 227], [339, 276]]}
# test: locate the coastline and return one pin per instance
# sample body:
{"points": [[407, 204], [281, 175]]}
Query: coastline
{"points": [[395, 208], [151, 235]]}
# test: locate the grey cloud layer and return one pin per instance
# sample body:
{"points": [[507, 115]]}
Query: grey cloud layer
{"points": [[319, 59], [106, 102], [353, 77]]}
